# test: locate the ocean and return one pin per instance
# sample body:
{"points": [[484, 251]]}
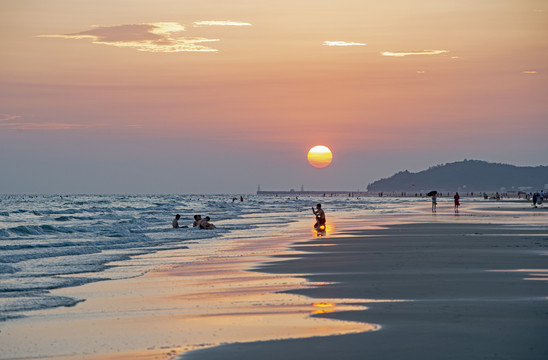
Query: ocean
{"points": [[51, 241]]}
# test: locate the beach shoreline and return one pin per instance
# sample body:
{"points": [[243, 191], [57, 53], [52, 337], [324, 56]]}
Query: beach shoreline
{"points": [[299, 291], [460, 290], [192, 302]]}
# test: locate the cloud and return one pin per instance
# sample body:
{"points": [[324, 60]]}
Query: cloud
{"points": [[219, 23], [12, 122], [529, 72], [342, 43], [405, 53], [152, 37], [8, 117], [41, 126]]}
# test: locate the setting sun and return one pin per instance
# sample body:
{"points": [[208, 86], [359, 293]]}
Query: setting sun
{"points": [[320, 156]]}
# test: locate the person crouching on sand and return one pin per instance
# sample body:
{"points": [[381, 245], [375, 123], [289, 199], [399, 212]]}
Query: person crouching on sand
{"points": [[175, 222], [205, 224]]}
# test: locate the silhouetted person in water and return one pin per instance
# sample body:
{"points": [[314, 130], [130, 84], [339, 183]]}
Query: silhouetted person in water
{"points": [[320, 217], [205, 224], [197, 220], [175, 222]]}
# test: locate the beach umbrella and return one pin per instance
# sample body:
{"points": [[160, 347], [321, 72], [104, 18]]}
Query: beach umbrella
{"points": [[432, 193]]}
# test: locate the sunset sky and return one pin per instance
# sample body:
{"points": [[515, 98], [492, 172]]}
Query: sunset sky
{"points": [[175, 96]]}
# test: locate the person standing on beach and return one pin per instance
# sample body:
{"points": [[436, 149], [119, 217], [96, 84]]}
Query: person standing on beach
{"points": [[535, 196], [320, 217], [434, 202], [457, 203]]}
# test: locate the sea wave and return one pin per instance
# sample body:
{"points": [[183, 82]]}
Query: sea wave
{"points": [[52, 241], [16, 302]]}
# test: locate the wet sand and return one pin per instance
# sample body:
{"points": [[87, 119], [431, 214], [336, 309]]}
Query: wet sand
{"points": [[199, 300], [472, 290], [472, 286]]}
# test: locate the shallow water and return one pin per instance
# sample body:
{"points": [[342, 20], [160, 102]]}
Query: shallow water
{"points": [[51, 244], [50, 241]]}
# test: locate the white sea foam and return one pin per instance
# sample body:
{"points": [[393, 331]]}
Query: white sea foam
{"points": [[49, 242]]}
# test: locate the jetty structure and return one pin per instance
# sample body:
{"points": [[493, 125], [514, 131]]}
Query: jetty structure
{"points": [[302, 192]]}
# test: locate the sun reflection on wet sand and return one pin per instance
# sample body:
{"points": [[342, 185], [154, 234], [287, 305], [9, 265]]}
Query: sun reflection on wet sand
{"points": [[203, 302], [533, 274], [329, 229]]}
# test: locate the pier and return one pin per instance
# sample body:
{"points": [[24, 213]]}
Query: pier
{"points": [[311, 193]]}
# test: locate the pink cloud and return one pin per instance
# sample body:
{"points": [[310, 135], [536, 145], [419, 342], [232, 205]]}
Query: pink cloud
{"points": [[8, 117], [12, 122], [153, 37]]}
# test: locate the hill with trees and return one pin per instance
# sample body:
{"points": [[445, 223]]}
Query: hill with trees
{"points": [[467, 175]]}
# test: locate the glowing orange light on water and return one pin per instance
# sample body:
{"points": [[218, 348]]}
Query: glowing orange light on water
{"points": [[320, 156], [323, 230], [324, 304], [324, 307]]}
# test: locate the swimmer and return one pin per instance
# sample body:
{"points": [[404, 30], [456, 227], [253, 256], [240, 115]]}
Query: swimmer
{"points": [[197, 220], [175, 222], [205, 224]]}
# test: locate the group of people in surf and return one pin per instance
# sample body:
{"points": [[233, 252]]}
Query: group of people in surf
{"points": [[206, 225], [198, 222]]}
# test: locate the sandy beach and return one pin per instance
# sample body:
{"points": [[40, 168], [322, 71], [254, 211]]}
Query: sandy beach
{"points": [[419, 286], [467, 291]]}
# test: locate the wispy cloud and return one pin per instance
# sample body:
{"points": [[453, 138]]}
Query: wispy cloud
{"points": [[152, 37], [342, 43], [529, 72], [41, 126], [8, 117], [410, 53], [13, 122], [219, 23]]}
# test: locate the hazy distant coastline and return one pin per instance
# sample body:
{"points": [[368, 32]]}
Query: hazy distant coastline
{"points": [[467, 176]]}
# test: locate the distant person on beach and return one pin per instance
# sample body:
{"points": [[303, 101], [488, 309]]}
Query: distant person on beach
{"points": [[197, 220], [535, 198], [457, 203], [320, 217], [206, 225], [434, 202], [175, 222]]}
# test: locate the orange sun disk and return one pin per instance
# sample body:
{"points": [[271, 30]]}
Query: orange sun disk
{"points": [[320, 156]]}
